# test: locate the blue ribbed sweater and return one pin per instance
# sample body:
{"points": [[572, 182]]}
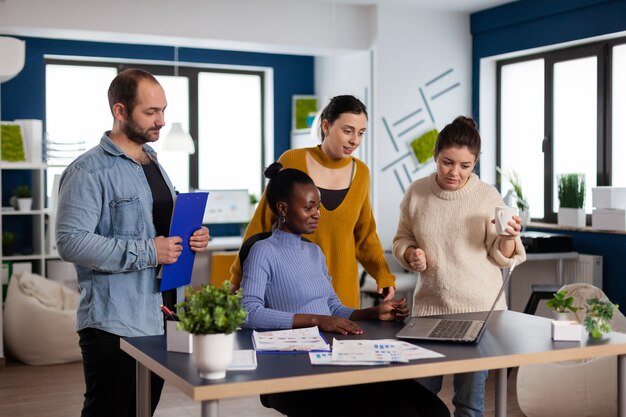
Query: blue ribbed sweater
{"points": [[284, 276]]}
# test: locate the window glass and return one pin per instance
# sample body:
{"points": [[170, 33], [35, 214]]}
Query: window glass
{"points": [[175, 163], [618, 177], [77, 112], [229, 142], [521, 130], [575, 122]]}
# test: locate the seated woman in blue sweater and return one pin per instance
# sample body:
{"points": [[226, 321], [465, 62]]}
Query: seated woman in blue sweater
{"points": [[286, 285]]}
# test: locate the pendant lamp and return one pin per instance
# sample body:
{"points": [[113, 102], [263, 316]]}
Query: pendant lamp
{"points": [[178, 139]]}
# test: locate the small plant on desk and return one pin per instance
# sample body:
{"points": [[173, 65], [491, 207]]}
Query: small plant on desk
{"points": [[561, 304]]}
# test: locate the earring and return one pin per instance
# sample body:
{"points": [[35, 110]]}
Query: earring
{"points": [[284, 218]]}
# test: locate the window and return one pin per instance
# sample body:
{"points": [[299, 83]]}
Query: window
{"points": [[558, 113], [221, 108]]}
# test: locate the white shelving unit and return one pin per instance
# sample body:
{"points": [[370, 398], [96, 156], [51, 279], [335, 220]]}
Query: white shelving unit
{"points": [[28, 226]]}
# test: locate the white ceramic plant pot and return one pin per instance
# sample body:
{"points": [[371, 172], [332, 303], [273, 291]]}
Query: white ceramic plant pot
{"points": [[562, 316], [24, 204], [212, 353], [573, 217]]}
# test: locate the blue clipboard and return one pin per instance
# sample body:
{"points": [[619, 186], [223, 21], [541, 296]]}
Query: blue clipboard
{"points": [[186, 219]]}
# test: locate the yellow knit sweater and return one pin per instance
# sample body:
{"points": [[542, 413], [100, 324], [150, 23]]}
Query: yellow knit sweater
{"points": [[344, 234]]}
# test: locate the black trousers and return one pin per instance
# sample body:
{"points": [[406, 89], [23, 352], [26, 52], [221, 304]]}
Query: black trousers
{"points": [[406, 398], [110, 377]]}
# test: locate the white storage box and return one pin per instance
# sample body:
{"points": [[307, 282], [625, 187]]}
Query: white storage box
{"points": [[608, 219], [609, 197], [570, 331], [177, 340]]}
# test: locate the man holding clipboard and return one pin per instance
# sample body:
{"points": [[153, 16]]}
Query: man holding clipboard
{"points": [[114, 212]]}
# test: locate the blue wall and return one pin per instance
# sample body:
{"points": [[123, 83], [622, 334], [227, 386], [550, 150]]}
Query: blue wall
{"points": [[533, 23], [23, 96]]}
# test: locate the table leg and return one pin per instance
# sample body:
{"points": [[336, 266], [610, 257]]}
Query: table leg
{"points": [[210, 408], [501, 395], [621, 385], [144, 404]]}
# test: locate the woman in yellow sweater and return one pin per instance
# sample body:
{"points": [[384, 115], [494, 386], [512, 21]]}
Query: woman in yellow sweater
{"points": [[348, 232]]}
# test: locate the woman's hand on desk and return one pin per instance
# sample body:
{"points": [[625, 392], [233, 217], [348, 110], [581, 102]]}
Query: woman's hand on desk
{"points": [[392, 310], [327, 323], [386, 311]]}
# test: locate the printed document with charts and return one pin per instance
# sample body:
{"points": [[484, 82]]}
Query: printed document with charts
{"points": [[307, 339], [371, 352]]}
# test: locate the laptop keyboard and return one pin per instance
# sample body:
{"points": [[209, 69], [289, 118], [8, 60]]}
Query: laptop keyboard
{"points": [[451, 329]]}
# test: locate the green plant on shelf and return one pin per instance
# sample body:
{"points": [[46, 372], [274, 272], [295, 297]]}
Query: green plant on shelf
{"points": [[571, 190], [22, 191], [8, 243], [513, 178]]}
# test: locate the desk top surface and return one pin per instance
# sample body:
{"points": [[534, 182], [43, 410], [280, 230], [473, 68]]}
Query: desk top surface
{"points": [[511, 339]]}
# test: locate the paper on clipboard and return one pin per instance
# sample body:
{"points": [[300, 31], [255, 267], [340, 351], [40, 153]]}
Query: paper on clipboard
{"points": [[186, 219]]}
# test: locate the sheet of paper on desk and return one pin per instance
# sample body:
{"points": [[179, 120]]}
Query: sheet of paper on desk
{"points": [[368, 351], [243, 360], [413, 352], [306, 339], [326, 358]]}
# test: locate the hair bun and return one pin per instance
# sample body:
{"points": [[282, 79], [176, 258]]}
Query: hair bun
{"points": [[467, 121], [271, 171]]}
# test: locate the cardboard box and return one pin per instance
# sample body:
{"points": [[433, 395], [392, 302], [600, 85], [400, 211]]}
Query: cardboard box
{"points": [[608, 219], [607, 197], [568, 331], [177, 340]]}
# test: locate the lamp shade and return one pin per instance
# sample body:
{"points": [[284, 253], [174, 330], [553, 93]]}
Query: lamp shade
{"points": [[178, 140], [12, 52]]}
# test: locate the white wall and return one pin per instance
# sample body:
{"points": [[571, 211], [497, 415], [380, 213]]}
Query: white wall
{"points": [[413, 48], [269, 25]]}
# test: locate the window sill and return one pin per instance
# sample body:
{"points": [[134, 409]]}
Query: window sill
{"points": [[586, 229]]}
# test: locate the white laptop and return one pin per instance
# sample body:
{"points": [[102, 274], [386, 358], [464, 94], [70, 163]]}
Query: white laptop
{"points": [[450, 330]]}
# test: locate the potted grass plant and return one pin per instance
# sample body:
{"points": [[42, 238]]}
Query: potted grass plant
{"points": [[571, 192], [24, 198], [211, 314]]}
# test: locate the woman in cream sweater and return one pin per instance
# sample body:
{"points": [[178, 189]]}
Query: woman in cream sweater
{"points": [[446, 233], [348, 232]]}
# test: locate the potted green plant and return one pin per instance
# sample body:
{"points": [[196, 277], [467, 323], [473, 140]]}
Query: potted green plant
{"points": [[517, 194], [562, 304], [24, 198], [8, 243], [212, 314], [598, 316], [571, 192]]}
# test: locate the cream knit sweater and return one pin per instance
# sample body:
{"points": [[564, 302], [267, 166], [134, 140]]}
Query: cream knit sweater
{"points": [[462, 249]]}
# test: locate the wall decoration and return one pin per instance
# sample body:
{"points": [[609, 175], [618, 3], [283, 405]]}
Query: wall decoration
{"points": [[303, 112], [413, 147], [12, 143]]}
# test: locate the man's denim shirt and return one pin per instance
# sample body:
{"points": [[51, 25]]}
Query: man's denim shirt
{"points": [[105, 227]]}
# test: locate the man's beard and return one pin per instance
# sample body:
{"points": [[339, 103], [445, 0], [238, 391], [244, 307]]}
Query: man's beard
{"points": [[134, 133]]}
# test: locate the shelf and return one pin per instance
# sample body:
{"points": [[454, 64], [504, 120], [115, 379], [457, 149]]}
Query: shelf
{"points": [[22, 213], [23, 165], [33, 257]]}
